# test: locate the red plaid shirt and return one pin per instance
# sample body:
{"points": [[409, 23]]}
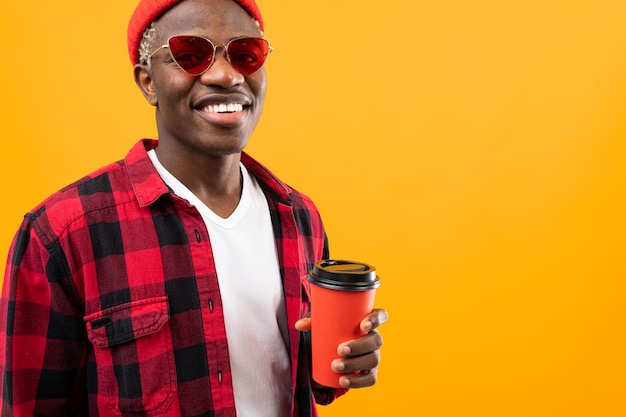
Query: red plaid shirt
{"points": [[111, 304]]}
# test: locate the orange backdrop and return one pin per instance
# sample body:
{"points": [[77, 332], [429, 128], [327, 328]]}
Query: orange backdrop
{"points": [[472, 151]]}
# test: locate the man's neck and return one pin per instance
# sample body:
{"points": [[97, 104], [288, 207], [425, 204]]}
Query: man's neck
{"points": [[216, 181]]}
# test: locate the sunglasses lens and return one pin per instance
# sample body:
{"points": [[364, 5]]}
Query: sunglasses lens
{"points": [[247, 55], [193, 54]]}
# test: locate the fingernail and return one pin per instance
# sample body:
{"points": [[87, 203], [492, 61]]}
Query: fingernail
{"points": [[344, 350], [344, 382], [367, 326], [338, 365]]}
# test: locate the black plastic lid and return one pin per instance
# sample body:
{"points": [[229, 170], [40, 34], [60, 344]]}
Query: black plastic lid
{"points": [[344, 275]]}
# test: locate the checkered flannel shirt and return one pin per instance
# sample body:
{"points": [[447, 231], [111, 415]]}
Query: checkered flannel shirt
{"points": [[111, 304]]}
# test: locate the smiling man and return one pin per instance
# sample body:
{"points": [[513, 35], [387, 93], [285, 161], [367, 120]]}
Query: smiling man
{"points": [[173, 282]]}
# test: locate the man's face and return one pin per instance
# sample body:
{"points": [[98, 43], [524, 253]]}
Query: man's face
{"points": [[189, 117]]}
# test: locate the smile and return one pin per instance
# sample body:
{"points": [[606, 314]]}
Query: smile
{"points": [[223, 108]]}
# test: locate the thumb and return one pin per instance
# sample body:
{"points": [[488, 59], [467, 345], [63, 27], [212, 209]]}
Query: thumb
{"points": [[304, 324]]}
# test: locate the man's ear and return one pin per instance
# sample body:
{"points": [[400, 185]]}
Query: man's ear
{"points": [[143, 78]]}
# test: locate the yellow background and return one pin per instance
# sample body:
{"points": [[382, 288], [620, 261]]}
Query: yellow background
{"points": [[473, 151]]}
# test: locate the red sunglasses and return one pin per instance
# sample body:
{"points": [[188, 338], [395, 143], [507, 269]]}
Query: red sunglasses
{"points": [[195, 55]]}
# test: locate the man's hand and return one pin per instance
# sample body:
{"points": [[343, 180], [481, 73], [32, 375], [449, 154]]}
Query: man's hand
{"points": [[360, 356]]}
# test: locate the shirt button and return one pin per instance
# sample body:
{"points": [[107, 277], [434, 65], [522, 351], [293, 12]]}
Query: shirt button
{"points": [[211, 305], [198, 238]]}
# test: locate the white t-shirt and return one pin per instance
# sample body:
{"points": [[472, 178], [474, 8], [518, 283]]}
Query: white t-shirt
{"points": [[252, 297]]}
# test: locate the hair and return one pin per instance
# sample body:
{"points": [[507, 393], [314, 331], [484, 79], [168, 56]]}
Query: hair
{"points": [[146, 45]]}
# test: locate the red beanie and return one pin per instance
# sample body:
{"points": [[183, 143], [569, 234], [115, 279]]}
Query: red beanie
{"points": [[148, 10]]}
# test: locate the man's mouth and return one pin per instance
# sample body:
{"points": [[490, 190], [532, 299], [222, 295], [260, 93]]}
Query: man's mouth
{"points": [[223, 108]]}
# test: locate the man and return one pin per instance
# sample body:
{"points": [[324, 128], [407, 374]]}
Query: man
{"points": [[173, 283]]}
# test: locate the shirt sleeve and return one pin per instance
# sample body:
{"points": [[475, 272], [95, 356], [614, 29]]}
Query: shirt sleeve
{"points": [[42, 342], [325, 396]]}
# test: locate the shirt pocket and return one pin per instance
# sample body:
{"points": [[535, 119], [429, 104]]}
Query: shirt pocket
{"points": [[134, 358]]}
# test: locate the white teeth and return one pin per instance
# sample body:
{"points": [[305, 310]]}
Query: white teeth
{"points": [[223, 108]]}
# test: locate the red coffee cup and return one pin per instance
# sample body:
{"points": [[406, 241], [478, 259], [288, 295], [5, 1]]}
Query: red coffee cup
{"points": [[342, 295]]}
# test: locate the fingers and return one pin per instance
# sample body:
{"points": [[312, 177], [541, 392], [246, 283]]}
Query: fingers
{"points": [[360, 357], [368, 343], [371, 322], [376, 318], [361, 363], [363, 379], [362, 370]]}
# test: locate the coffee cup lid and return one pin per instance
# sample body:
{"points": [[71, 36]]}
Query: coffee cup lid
{"points": [[344, 275]]}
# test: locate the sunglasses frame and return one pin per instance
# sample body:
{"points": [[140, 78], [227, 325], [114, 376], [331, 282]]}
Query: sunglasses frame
{"points": [[215, 52]]}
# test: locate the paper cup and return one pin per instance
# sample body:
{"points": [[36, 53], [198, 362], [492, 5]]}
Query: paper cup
{"points": [[342, 295]]}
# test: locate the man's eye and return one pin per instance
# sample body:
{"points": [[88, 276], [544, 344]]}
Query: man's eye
{"points": [[245, 57], [188, 59]]}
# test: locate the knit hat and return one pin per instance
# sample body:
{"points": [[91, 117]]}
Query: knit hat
{"points": [[148, 10]]}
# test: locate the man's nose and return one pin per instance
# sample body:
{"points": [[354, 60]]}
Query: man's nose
{"points": [[221, 72]]}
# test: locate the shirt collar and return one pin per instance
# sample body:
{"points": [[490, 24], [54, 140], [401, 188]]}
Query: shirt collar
{"points": [[148, 185], [268, 181], [145, 179]]}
